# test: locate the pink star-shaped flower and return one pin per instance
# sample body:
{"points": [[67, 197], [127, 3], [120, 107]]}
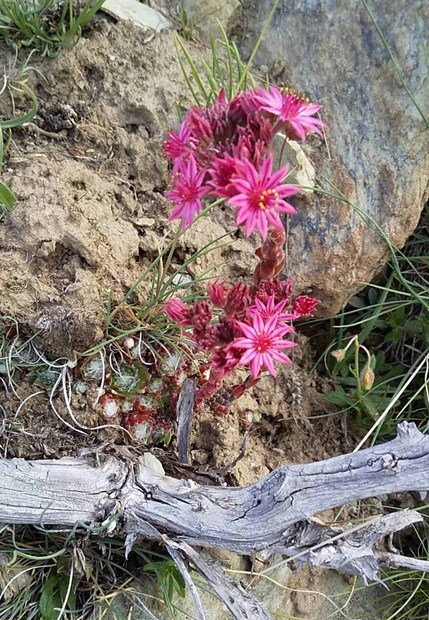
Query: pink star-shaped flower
{"points": [[270, 309], [296, 114], [258, 196], [187, 191], [178, 144], [263, 344]]}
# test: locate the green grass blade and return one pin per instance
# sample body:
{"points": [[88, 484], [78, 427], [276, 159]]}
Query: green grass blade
{"points": [[7, 198], [187, 79], [214, 86], [194, 71], [25, 118], [264, 30]]}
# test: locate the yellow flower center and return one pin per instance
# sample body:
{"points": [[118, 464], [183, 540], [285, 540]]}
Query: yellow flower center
{"points": [[268, 199], [263, 343]]}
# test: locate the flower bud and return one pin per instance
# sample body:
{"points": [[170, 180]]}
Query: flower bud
{"points": [[178, 311], [339, 354], [238, 299], [218, 293], [367, 378]]}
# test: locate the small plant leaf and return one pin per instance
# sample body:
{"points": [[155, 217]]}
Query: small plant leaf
{"points": [[356, 302], [50, 598], [7, 198], [44, 377], [25, 118], [130, 378], [337, 398]]}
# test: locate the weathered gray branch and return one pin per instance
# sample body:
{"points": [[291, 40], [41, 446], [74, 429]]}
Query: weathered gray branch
{"points": [[273, 515], [351, 549], [270, 513], [393, 560], [241, 603]]}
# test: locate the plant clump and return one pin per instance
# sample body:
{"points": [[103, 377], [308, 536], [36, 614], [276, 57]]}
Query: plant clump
{"points": [[45, 25], [221, 153], [224, 153]]}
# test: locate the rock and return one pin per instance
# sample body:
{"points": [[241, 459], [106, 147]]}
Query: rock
{"points": [[307, 593], [147, 459], [377, 149], [141, 14], [301, 170], [65, 228], [13, 578], [207, 14]]}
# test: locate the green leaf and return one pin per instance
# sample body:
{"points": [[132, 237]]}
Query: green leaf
{"points": [[414, 327], [372, 297], [7, 198], [49, 599], [394, 336], [356, 302], [25, 118], [348, 381], [370, 407], [179, 583], [337, 398], [130, 378], [63, 584]]}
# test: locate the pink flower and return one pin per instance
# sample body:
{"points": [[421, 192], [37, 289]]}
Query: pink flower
{"points": [[304, 306], [263, 343], [200, 126], [178, 144], [187, 192], [259, 196], [243, 104], [178, 311], [295, 113], [270, 309]]}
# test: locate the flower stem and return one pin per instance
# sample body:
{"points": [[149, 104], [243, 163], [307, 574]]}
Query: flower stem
{"points": [[282, 150], [358, 383], [164, 268]]}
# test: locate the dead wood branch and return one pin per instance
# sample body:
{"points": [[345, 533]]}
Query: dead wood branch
{"points": [[185, 414], [273, 515]]}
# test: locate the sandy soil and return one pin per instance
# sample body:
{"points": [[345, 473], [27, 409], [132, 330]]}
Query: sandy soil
{"points": [[89, 176]]}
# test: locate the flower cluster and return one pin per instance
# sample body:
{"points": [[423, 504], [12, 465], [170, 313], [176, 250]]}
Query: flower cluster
{"points": [[242, 326], [225, 151]]}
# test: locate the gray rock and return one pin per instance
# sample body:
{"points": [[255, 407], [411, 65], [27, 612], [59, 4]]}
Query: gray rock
{"points": [[309, 594], [207, 14], [301, 170], [141, 14], [377, 147]]}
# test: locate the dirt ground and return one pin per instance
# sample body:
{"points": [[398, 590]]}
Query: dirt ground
{"points": [[90, 177]]}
